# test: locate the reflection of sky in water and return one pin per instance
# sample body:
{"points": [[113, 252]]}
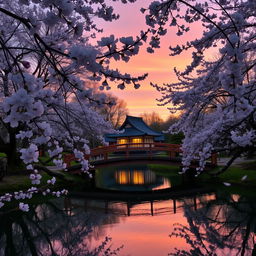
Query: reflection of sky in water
{"points": [[77, 226], [146, 231], [130, 178], [143, 233]]}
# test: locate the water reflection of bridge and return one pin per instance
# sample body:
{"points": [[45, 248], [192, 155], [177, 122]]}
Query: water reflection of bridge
{"points": [[138, 208]]}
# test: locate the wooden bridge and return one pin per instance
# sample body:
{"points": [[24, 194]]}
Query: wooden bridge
{"points": [[120, 152]]}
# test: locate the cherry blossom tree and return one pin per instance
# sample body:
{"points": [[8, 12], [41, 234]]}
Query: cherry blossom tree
{"points": [[45, 46], [220, 227], [216, 96], [51, 229]]}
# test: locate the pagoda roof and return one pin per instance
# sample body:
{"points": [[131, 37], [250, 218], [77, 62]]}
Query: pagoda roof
{"points": [[134, 126]]}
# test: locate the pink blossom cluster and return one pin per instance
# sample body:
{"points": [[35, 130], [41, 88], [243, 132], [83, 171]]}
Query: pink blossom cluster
{"points": [[215, 96], [46, 105]]}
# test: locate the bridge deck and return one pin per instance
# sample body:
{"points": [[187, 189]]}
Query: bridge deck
{"points": [[135, 151]]}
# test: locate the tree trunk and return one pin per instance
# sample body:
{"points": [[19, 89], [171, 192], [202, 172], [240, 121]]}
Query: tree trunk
{"points": [[10, 149]]}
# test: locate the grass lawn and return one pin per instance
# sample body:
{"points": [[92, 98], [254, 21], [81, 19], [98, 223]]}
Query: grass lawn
{"points": [[165, 169], [18, 182], [22, 182], [233, 176]]}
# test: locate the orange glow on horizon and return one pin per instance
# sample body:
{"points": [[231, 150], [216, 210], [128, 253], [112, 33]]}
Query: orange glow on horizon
{"points": [[145, 235], [159, 65]]}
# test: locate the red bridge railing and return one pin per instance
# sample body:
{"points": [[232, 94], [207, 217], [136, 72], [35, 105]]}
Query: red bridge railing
{"points": [[102, 153]]}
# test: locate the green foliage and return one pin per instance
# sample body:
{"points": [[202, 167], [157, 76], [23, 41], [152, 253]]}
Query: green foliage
{"points": [[46, 159], [174, 138], [2, 154]]}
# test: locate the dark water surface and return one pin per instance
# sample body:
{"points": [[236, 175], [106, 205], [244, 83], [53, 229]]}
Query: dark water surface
{"points": [[196, 224], [132, 177], [209, 224]]}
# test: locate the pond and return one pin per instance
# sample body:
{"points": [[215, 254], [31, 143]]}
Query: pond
{"points": [[132, 177], [184, 223], [206, 224]]}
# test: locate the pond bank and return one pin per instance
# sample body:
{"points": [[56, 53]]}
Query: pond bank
{"points": [[233, 176]]}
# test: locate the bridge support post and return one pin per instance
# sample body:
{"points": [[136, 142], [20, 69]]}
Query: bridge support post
{"points": [[151, 208], [174, 206], [128, 209]]}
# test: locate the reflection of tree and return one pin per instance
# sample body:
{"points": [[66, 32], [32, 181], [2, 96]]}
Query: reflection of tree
{"points": [[48, 230], [223, 227]]}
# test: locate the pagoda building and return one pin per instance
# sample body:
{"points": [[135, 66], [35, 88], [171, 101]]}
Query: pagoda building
{"points": [[134, 130]]}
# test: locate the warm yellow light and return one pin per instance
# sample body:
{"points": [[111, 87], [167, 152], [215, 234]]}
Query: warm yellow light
{"points": [[122, 177], [137, 140], [122, 141], [138, 177]]}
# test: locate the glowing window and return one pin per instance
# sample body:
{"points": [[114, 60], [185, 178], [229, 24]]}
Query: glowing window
{"points": [[122, 141], [137, 140]]}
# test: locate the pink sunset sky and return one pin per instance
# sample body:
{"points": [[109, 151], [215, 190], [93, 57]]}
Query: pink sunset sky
{"points": [[159, 65]]}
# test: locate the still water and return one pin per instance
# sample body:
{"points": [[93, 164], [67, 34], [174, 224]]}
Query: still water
{"points": [[136, 224], [132, 177], [203, 224]]}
